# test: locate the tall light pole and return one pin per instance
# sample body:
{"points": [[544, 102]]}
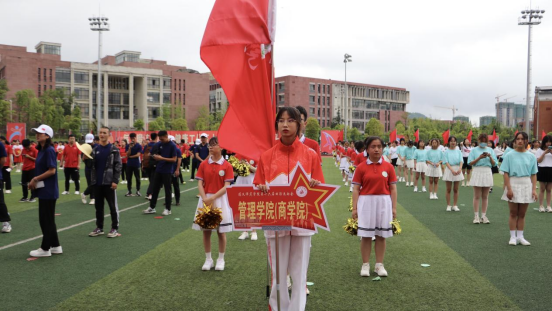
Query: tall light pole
{"points": [[99, 24], [346, 60], [529, 17]]}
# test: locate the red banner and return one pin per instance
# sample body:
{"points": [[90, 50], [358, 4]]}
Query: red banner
{"points": [[188, 136], [295, 205], [328, 140], [16, 131]]}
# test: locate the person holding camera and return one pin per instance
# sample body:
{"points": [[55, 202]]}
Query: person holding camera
{"points": [[481, 159]]}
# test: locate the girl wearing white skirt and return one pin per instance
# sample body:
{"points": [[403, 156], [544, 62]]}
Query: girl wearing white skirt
{"points": [[466, 168], [434, 160], [409, 163], [520, 179], [482, 159], [248, 180], [374, 204], [420, 158], [214, 175], [401, 160], [453, 172], [393, 156], [344, 163], [544, 176]]}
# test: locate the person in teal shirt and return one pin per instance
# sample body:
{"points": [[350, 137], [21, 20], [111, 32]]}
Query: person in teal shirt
{"points": [[520, 179], [386, 153], [453, 160], [420, 158], [401, 160], [409, 156], [434, 160], [481, 158]]}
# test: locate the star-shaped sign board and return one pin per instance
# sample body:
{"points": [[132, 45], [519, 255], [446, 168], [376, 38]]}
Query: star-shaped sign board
{"points": [[295, 205]]}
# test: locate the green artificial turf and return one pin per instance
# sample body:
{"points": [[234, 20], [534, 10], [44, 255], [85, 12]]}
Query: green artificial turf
{"points": [[155, 266]]}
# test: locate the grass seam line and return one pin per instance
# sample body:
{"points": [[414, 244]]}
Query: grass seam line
{"points": [[81, 223]]}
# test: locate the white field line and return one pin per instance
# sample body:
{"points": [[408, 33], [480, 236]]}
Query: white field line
{"points": [[82, 223]]}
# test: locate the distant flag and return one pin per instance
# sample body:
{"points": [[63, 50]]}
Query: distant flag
{"points": [[516, 133], [393, 135], [470, 135], [446, 135], [417, 135], [340, 136], [543, 134], [493, 137]]}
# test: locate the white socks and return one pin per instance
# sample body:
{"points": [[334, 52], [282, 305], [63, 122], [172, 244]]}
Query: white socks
{"points": [[483, 214], [208, 256], [512, 234], [520, 234], [221, 256]]}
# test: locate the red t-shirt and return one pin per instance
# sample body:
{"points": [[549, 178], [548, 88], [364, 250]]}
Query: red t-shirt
{"points": [[122, 151], [353, 156], [359, 158], [29, 164], [215, 174], [59, 150], [8, 152], [17, 153], [71, 156], [375, 178], [314, 146]]}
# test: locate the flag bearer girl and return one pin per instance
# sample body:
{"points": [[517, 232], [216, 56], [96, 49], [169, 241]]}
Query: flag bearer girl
{"points": [[374, 204], [214, 175]]}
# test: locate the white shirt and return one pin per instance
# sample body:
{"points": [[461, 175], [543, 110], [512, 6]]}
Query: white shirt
{"points": [[498, 151], [547, 161], [393, 153], [466, 151]]}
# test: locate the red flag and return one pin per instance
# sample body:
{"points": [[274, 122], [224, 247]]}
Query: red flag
{"points": [[493, 137], [543, 134], [237, 48], [516, 133], [417, 135], [470, 135], [393, 135], [340, 136], [446, 135]]}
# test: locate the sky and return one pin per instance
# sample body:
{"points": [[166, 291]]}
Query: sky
{"points": [[446, 53]]}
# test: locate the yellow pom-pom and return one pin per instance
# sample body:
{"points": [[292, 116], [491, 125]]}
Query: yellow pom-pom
{"points": [[396, 226], [352, 169], [208, 217], [351, 204], [351, 227]]}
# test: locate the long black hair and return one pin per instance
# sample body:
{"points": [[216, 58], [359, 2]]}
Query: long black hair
{"points": [[47, 144], [293, 113], [545, 140]]}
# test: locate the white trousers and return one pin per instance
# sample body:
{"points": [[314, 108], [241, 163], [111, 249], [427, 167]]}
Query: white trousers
{"points": [[294, 253]]}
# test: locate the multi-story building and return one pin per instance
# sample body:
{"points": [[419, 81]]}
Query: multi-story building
{"points": [[486, 120], [462, 119], [543, 110], [133, 88], [217, 98], [510, 114], [325, 100]]}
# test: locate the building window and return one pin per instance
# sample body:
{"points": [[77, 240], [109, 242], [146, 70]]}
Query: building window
{"points": [[63, 75], [153, 98], [166, 83], [45, 75], [183, 85], [114, 112], [39, 90], [311, 100], [126, 113], [50, 75], [153, 83], [52, 49], [323, 88], [153, 112], [38, 74], [318, 87], [114, 98], [280, 99], [66, 90], [311, 111], [166, 98], [81, 93], [183, 99], [179, 84], [312, 87], [81, 77], [126, 99], [44, 87]]}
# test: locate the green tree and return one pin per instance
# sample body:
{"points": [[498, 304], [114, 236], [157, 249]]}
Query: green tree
{"points": [[36, 112], [3, 88], [353, 134], [166, 114], [139, 124], [374, 128], [76, 122], [312, 129], [214, 121], [5, 112], [180, 124], [23, 102], [337, 120], [201, 124], [400, 128], [202, 121]]}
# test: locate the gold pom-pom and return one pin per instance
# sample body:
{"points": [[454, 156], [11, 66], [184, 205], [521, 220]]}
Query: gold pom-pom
{"points": [[396, 226], [351, 204], [208, 217], [334, 154], [352, 169], [233, 160], [240, 167], [351, 227]]}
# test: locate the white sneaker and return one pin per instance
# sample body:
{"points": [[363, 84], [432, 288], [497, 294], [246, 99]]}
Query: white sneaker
{"points": [[56, 250], [468, 184], [449, 208], [307, 291], [485, 220], [71, 181], [455, 209], [424, 189], [431, 196], [40, 253], [83, 198], [18, 171], [8, 191], [380, 270], [207, 265], [411, 184], [549, 209], [254, 236], [463, 184], [77, 193], [435, 196], [541, 209], [191, 179], [346, 183], [343, 179], [149, 211], [476, 220], [92, 202], [523, 241], [220, 265], [365, 270], [166, 212], [65, 192], [244, 236], [415, 189], [513, 242], [6, 227], [172, 195]]}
